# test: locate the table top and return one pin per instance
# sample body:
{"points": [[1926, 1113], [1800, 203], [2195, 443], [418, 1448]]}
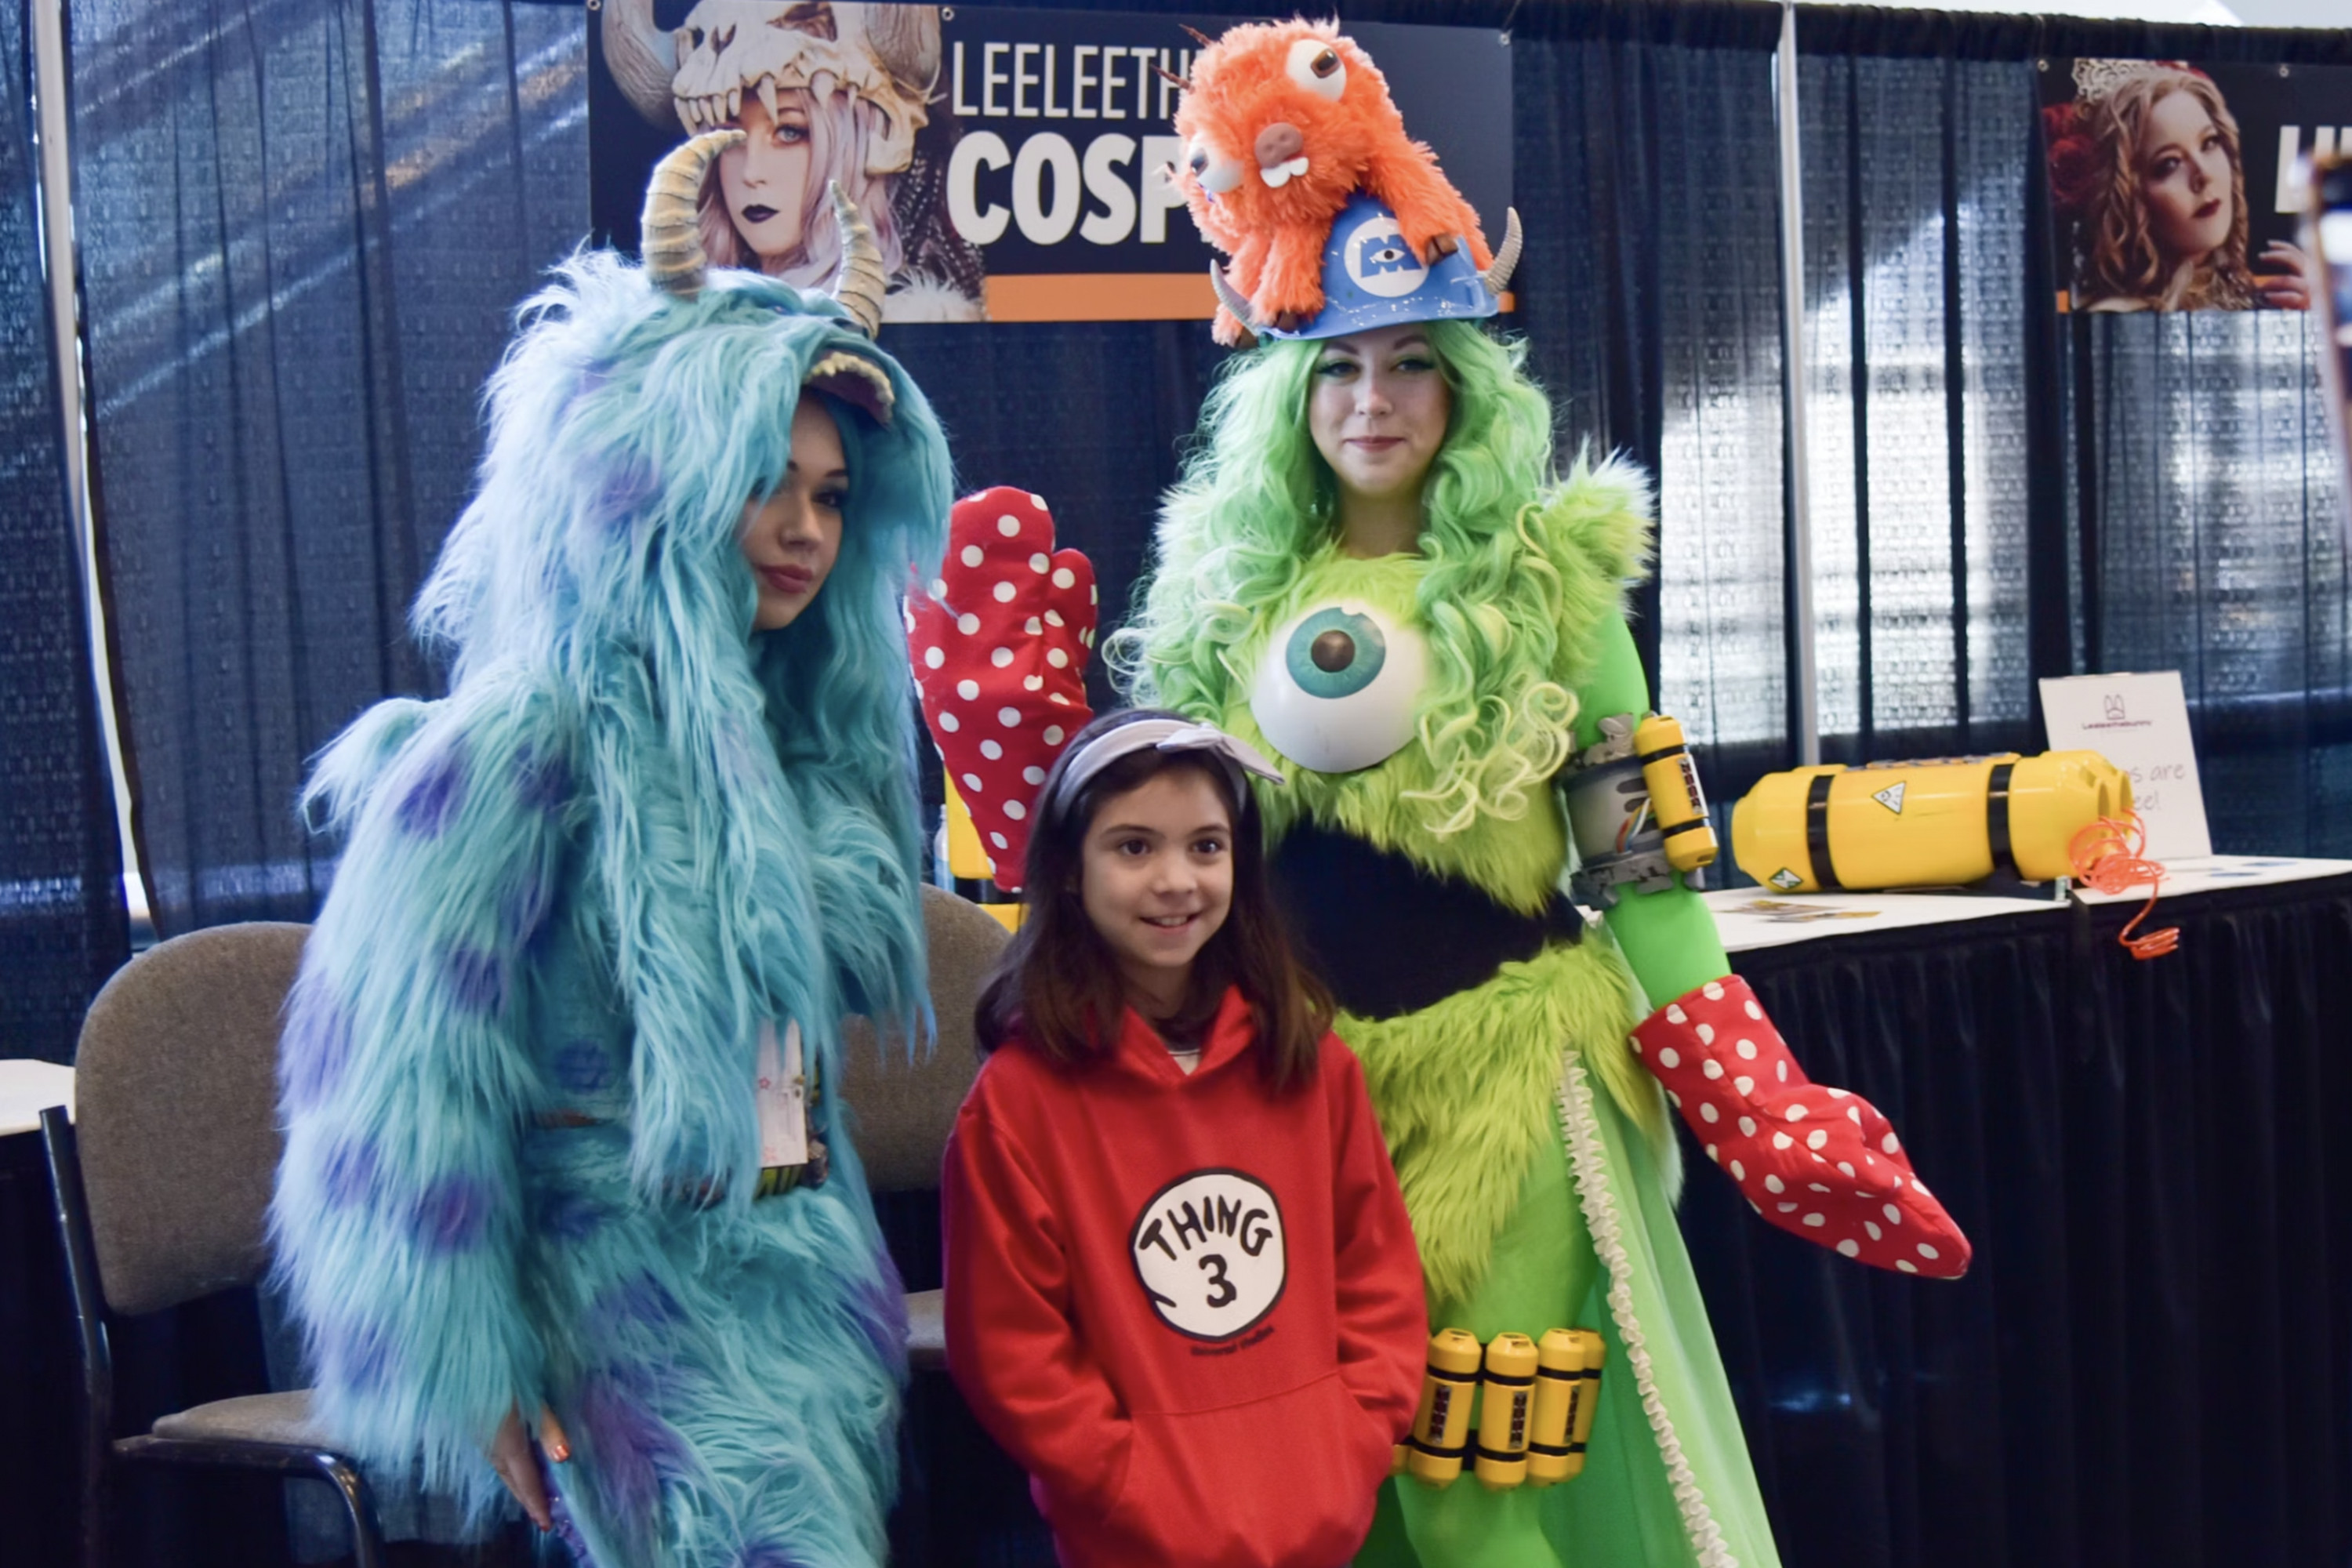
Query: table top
{"points": [[29, 1087], [1753, 918]]}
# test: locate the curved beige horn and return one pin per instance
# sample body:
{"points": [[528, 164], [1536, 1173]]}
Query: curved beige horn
{"points": [[1497, 278], [1230, 297], [669, 239], [861, 282]]}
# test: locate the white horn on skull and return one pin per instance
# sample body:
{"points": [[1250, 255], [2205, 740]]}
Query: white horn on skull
{"points": [[671, 237]]}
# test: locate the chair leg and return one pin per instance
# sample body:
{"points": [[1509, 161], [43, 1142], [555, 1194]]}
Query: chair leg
{"points": [[367, 1536]]}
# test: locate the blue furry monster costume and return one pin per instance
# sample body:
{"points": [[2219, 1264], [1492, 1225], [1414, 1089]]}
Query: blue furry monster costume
{"points": [[523, 1146]]}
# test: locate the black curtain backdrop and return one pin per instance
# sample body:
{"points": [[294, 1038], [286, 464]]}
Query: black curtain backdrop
{"points": [[305, 225], [2150, 1363], [62, 925]]}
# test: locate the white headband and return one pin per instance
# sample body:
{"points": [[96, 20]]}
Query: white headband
{"points": [[1159, 734]]}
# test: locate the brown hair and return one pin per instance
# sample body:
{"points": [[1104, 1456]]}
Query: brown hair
{"points": [[1057, 988], [2116, 257]]}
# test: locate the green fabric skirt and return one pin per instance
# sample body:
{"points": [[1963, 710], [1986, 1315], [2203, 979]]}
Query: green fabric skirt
{"points": [[1591, 1241]]}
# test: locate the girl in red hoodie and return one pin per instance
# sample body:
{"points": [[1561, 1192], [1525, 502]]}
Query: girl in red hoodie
{"points": [[1181, 1289]]}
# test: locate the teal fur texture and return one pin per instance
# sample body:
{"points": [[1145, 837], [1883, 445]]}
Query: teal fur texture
{"points": [[572, 890]]}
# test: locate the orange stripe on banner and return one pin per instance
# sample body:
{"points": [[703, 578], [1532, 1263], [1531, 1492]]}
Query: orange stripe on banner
{"points": [[1102, 297], [1110, 297]]}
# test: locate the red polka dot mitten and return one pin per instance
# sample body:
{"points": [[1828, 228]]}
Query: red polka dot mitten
{"points": [[1819, 1163], [1000, 644]]}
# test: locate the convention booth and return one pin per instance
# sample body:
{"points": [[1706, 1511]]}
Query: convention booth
{"points": [[1971, 459]]}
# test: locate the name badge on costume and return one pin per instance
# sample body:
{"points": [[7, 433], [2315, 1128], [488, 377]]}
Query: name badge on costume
{"points": [[783, 1092]]}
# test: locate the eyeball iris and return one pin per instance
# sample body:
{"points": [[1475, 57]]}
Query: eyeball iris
{"points": [[1335, 653]]}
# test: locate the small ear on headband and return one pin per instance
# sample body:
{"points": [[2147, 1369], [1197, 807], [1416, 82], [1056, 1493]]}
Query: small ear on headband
{"points": [[856, 381]]}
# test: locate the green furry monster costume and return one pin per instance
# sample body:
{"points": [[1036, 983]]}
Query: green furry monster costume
{"points": [[1535, 1153]]}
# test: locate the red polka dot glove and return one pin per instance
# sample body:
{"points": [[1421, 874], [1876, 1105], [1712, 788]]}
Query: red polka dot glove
{"points": [[1819, 1163], [1000, 644]]}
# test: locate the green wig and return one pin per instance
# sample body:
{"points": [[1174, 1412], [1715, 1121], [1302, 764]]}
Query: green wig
{"points": [[1257, 504]]}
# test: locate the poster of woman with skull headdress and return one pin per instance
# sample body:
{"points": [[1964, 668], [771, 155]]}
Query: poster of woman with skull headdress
{"points": [[825, 92]]}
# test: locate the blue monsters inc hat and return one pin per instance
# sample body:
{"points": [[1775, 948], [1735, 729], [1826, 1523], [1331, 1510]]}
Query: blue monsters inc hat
{"points": [[1372, 278]]}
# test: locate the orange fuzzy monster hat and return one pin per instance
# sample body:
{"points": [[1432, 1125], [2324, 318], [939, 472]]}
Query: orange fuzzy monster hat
{"points": [[1282, 124]]}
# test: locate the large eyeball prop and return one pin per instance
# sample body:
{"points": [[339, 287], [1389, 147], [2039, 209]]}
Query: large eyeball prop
{"points": [[1338, 687], [1316, 65], [1217, 174]]}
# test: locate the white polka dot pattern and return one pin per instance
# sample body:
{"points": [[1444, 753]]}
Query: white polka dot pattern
{"points": [[1011, 621], [1828, 1145]]}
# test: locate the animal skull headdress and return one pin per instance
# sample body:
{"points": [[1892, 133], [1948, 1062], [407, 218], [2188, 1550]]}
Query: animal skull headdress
{"points": [[728, 49]]}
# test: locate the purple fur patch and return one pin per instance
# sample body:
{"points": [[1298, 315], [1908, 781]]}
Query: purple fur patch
{"points": [[583, 1068], [766, 1555], [351, 1172], [477, 980], [354, 1354], [630, 1448], [452, 1215], [639, 1301], [569, 1216], [543, 784], [627, 487], [433, 801], [315, 1048]]}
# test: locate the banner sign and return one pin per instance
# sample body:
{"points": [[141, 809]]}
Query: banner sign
{"points": [[1012, 162], [2178, 187]]}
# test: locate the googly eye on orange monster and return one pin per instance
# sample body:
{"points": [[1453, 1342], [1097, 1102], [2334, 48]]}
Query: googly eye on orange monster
{"points": [[1339, 686], [1317, 66], [1216, 173]]}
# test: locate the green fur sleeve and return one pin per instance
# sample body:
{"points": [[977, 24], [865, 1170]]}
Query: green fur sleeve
{"points": [[1669, 938]]}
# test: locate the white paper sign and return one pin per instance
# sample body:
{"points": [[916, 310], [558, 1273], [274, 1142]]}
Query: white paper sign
{"points": [[2140, 724]]}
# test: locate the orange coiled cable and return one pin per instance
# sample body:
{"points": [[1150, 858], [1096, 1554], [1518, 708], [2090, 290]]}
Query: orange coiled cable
{"points": [[2106, 856]]}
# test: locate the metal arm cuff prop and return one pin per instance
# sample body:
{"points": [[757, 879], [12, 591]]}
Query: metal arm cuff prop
{"points": [[1636, 812]]}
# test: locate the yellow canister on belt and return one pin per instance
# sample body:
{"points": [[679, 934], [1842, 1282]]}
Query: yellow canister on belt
{"points": [[1441, 1427], [1507, 1401], [1559, 1381], [1675, 799], [1927, 823]]}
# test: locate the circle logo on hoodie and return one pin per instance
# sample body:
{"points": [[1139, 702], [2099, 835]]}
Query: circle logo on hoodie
{"points": [[1208, 1247]]}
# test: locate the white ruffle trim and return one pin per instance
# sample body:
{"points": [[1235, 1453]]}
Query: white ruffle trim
{"points": [[1582, 1131]]}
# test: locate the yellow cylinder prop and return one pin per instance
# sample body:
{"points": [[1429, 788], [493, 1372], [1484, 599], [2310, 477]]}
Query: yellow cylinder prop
{"points": [[1675, 799], [1927, 823], [1507, 1398], [1560, 1378], [1441, 1427]]}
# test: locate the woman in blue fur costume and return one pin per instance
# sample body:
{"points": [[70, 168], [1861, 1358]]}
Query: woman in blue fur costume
{"points": [[529, 1085]]}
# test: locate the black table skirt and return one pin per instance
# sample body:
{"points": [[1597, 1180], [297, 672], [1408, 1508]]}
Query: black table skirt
{"points": [[2150, 1364]]}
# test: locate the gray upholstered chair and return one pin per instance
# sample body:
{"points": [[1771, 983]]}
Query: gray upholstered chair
{"points": [[163, 1180], [904, 1108]]}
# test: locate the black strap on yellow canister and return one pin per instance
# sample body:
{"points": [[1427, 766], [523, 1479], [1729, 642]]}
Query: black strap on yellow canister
{"points": [[1997, 818], [1817, 832]]}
